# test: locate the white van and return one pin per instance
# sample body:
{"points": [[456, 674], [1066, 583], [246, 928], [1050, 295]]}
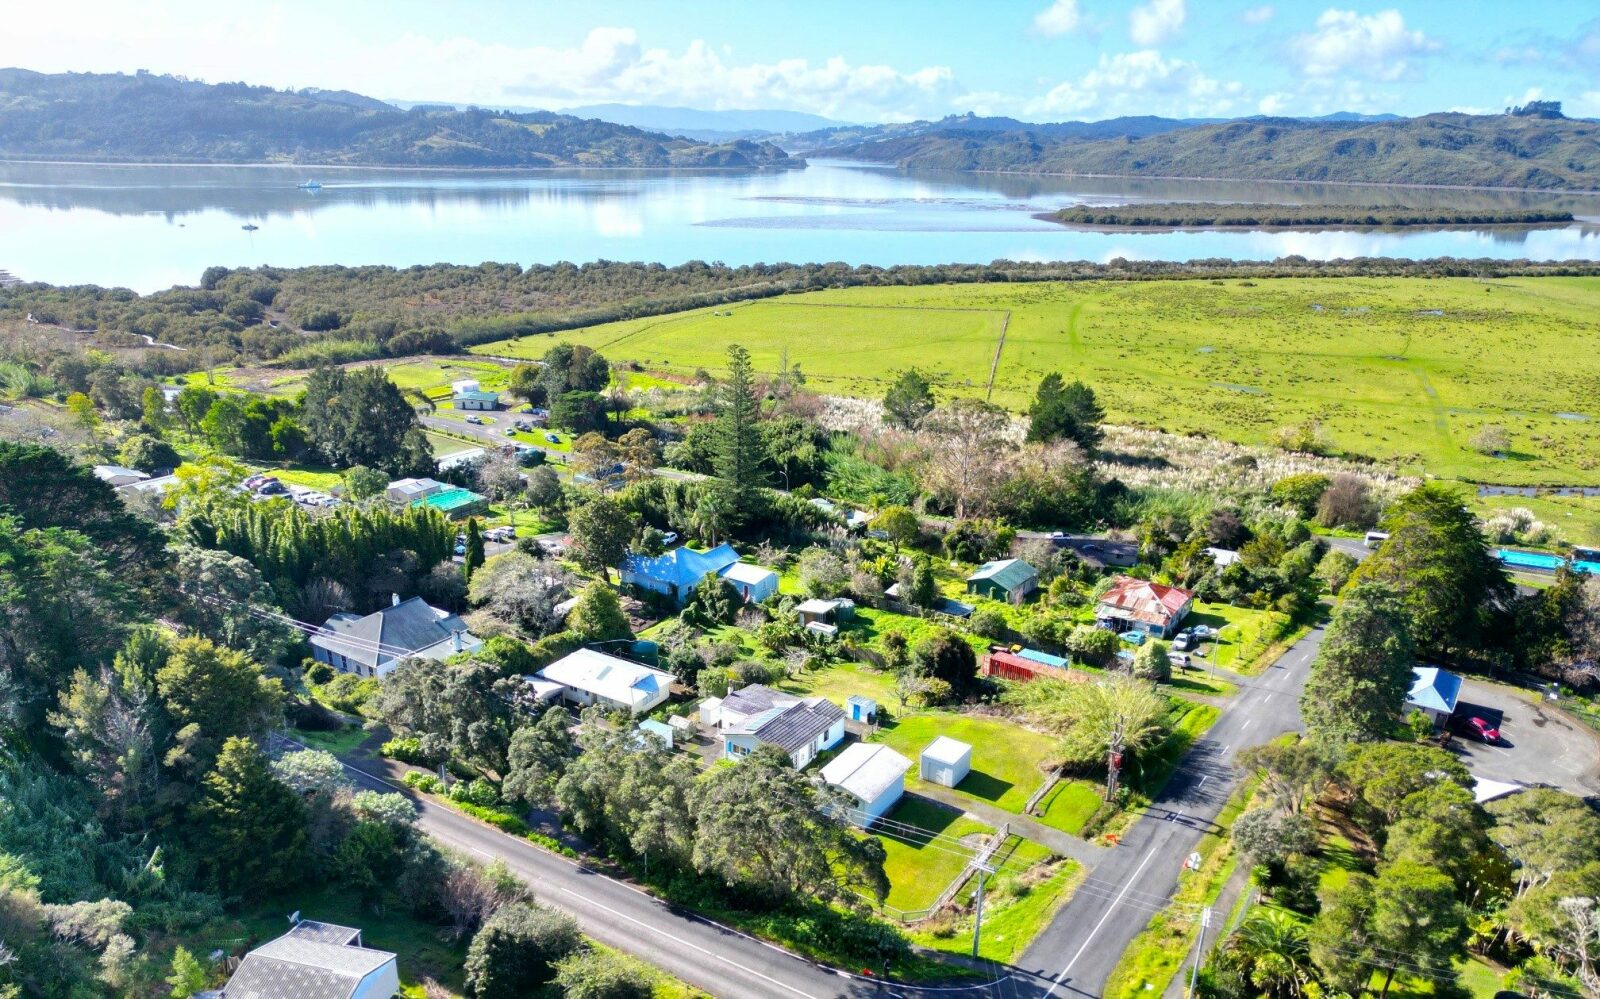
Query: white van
{"points": [[1376, 538]]}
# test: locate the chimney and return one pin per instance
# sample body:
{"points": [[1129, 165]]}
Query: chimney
{"points": [[394, 599], [455, 639]]}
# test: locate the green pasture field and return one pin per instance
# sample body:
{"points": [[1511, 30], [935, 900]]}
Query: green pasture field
{"points": [[1405, 370]]}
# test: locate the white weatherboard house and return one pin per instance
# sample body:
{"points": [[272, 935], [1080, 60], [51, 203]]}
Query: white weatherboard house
{"points": [[756, 715], [314, 961], [946, 761], [116, 475], [875, 776], [373, 645], [589, 677]]}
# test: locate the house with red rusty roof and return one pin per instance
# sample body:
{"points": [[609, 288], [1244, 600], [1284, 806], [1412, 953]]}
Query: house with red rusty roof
{"points": [[1140, 605]]}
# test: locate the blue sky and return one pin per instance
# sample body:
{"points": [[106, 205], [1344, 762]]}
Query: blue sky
{"points": [[860, 60]]}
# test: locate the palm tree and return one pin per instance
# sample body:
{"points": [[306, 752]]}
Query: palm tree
{"points": [[1279, 952]]}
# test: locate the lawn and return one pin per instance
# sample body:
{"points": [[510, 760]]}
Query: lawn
{"points": [[338, 742], [1007, 759], [1405, 370], [921, 867], [1248, 634], [838, 681], [1015, 908], [1069, 805], [442, 445]]}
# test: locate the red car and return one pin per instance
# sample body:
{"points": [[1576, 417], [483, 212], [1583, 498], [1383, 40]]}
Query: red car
{"points": [[1482, 729]]}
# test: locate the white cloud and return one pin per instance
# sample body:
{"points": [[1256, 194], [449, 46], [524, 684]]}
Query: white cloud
{"points": [[1060, 18], [1155, 22], [517, 68], [1374, 46], [1586, 106], [1273, 104], [1143, 82], [1258, 15]]}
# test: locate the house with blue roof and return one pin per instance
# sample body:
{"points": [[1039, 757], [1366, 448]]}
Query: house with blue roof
{"points": [[675, 573], [1434, 692]]}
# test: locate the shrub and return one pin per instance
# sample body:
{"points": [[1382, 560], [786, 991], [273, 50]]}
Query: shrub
{"points": [[426, 783], [989, 622], [407, 750], [318, 673]]}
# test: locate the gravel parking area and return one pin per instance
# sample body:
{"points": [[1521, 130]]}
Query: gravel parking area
{"points": [[1538, 744]]}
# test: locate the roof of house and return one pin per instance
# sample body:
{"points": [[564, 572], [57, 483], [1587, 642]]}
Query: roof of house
{"points": [[159, 484], [683, 566], [1142, 600], [409, 628], [105, 473], [866, 770], [754, 699], [790, 726], [1222, 557], [608, 677], [815, 606], [947, 750], [1434, 689], [477, 395], [744, 572], [311, 961], [1008, 573], [415, 487], [451, 499]]}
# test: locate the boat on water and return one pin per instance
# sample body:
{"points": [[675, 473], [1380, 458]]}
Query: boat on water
{"points": [[311, 185], [249, 228]]}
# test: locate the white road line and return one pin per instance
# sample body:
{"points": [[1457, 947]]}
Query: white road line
{"points": [[691, 945], [1090, 938]]}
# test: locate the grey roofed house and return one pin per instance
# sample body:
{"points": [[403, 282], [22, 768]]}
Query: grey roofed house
{"points": [[802, 729], [372, 645], [315, 961]]}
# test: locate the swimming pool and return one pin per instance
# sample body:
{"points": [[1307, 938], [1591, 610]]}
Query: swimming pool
{"points": [[1541, 561]]}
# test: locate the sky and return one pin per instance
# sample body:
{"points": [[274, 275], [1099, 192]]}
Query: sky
{"points": [[855, 60]]}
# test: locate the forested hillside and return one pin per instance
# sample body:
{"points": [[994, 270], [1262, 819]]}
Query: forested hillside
{"points": [[1446, 149], [90, 116]]}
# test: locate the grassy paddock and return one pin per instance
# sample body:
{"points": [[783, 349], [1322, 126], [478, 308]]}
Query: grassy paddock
{"points": [[1406, 370], [1007, 759], [919, 868]]}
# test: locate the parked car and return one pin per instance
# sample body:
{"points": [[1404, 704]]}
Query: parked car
{"points": [[475, 420], [1480, 729], [510, 431], [461, 548], [1178, 659], [524, 426], [669, 538], [1201, 631], [1183, 642], [1058, 538], [552, 438]]}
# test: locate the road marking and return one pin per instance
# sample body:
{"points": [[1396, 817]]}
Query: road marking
{"points": [[1247, 724], [687, 943], [1090, 938]]}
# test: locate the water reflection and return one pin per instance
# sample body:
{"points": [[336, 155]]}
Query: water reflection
{"points": [[147, 226]]}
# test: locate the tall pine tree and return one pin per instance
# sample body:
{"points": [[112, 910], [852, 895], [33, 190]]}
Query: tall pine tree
{"points": [[736, 444]]}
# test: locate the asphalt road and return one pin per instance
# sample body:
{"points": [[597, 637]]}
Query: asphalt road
{"points": [[1076, 953], [1538, 745]]}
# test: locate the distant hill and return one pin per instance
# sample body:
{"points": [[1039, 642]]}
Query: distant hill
{"points": [[705, 125], [1111, 128], [1511, 150], [116, 117]]}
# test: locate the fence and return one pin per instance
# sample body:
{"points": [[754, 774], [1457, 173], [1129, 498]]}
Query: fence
{"points": [[1044, 789]]}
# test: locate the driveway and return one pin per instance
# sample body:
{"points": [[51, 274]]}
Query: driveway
{"points": [[1538, 745]]}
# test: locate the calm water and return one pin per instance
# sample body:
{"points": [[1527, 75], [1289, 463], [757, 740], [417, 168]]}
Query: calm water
{"points": [[147, 227]]}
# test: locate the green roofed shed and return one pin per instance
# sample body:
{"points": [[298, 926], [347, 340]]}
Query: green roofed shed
{"points": [[456, 503]]}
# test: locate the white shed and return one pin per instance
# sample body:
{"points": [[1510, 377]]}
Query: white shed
{"points": [[946, 761], [874, 775]]}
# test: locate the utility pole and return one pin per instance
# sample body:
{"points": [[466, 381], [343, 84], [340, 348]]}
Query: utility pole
{"points": [[977, 929], [1199, 949]]}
